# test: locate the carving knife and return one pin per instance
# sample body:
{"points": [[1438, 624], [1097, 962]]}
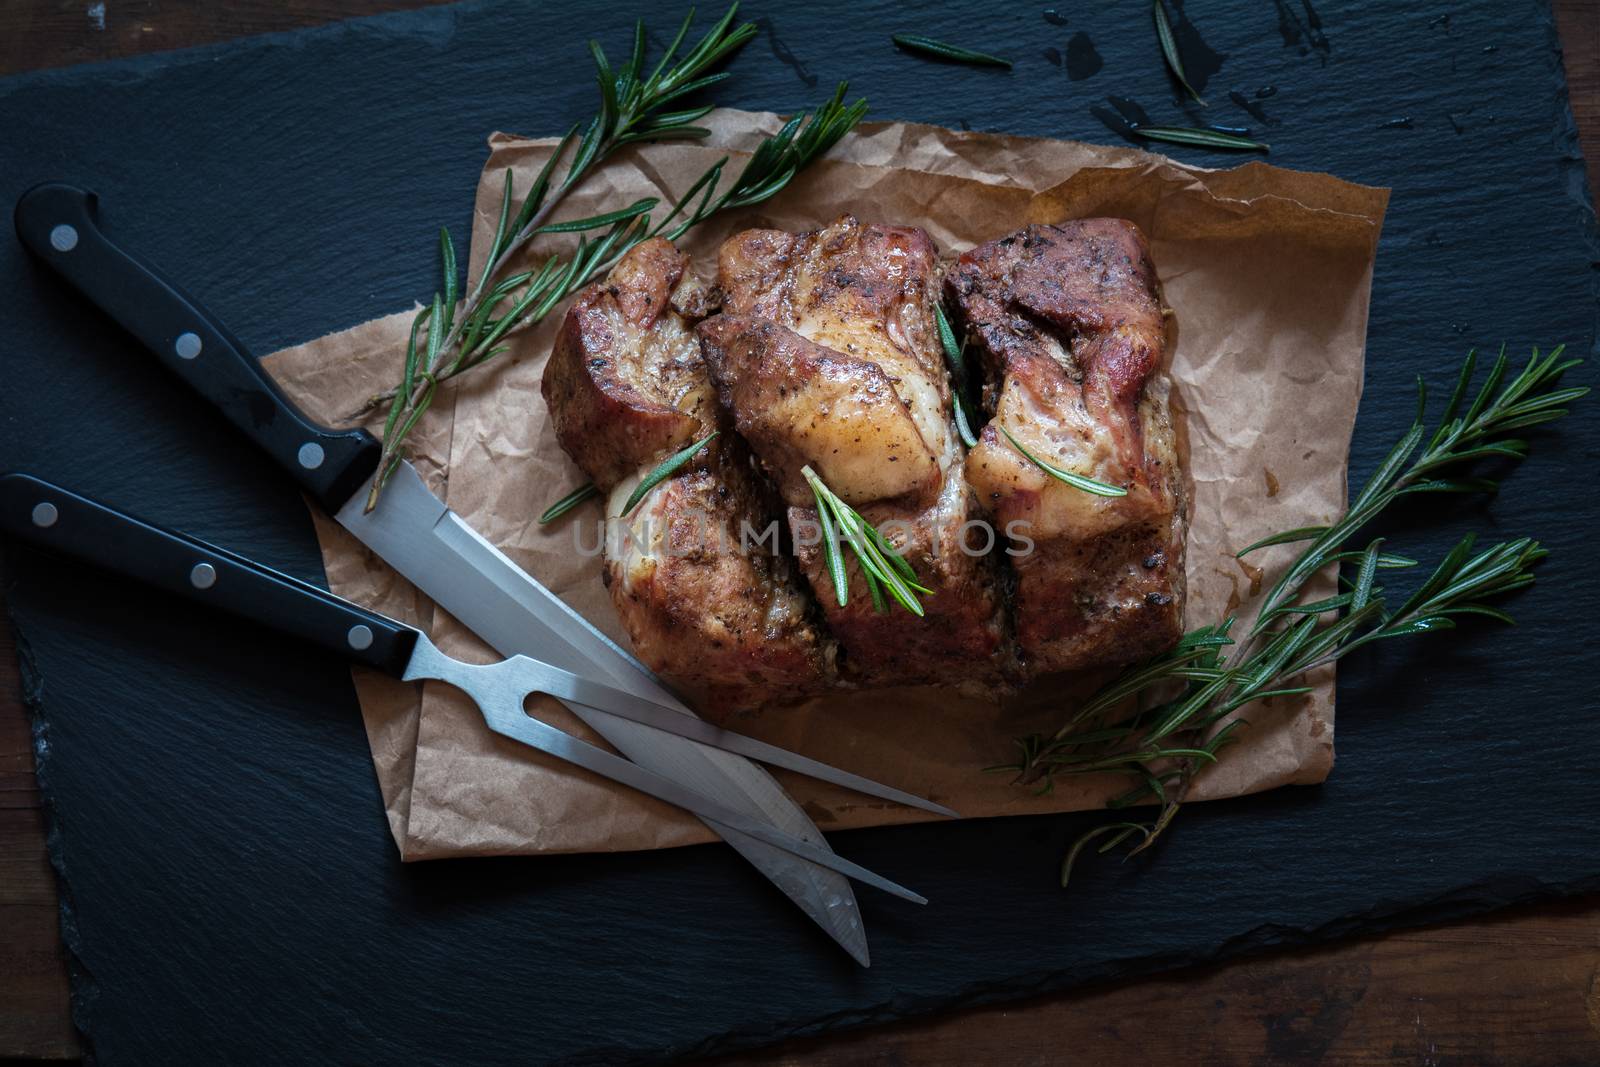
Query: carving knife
{"points": [[415, 533]]}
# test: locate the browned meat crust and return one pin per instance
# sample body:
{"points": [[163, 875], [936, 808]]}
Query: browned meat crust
{"points": [[797, 403], [827, 354], [1071, 333], [705, 604], [625, 379]]}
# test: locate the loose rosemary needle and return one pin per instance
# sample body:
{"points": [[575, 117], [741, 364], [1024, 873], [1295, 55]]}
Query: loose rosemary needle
{"points": [[916, 42], [1169, 50], [1209, 675], [1199, 137], [457, 332]]}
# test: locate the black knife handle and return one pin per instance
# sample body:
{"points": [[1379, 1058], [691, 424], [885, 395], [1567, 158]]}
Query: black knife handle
{"points": [[58, 519], [58, 224]]}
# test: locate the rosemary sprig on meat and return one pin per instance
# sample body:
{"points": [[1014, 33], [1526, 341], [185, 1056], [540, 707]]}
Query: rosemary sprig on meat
{"points": [[955, 356], [1160, 744], [884, 568], [1077, 481], [664, 470], [455, 334]]}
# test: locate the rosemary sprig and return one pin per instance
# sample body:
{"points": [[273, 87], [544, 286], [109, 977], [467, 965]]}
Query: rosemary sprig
{"points": [[447, 340], [1465, 435], [664, 470], [955, 356], [885, 569], [584, 492], [916, 42], [1202, 137], [1169, 49], [1077, 481], [1207, 676]]}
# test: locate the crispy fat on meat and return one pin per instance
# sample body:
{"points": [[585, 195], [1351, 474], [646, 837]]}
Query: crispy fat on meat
{"points": [[1071, 334], [706, 605], [826, 354], [797, 402]]}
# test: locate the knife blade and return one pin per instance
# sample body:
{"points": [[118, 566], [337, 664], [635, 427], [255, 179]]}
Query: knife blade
{"points": [[414, 532]]}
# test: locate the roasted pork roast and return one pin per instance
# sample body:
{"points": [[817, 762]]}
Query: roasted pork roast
{"points": [[821, 349], [706, 600], [1071, 336]]}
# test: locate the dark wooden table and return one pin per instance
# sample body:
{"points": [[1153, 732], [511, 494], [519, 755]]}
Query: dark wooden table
{"points": [[1520, 987]]}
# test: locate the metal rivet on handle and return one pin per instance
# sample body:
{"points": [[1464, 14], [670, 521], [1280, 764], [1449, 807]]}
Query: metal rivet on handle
{"points": [[45, 514], [310, 455], [360, 637], [63, 238], [187, 345], [204, 576]]}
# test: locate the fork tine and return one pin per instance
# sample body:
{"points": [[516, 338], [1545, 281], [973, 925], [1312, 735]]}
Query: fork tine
{"points": [[572, 689]]}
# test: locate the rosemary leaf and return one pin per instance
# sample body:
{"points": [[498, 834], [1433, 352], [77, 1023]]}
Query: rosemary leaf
{"points": [[875, 590], [955, 357], [964, 424], [890, 553], [595, 222], [584, 492], [830, 550], [499, 229], [447, 264], [947, 337], [1365, 575], [1169, 49], [1077, 481], [916, 42], [411, 362], [664, 470], [436, 328], [535, 200], [1287, 537], [1200, 137]]}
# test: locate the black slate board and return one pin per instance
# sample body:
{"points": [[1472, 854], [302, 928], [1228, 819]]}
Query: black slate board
{"points": [[230, 891]]}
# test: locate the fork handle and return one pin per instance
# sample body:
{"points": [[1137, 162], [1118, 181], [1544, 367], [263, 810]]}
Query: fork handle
{"points": [[61, 520]]}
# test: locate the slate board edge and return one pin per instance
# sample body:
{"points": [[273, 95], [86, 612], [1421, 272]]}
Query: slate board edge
{"points": [[1457, 904], [82, 990], [1461, 903]]}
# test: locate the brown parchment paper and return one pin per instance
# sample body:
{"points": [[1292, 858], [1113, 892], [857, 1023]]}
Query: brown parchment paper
{"points": [[1268, 272]]}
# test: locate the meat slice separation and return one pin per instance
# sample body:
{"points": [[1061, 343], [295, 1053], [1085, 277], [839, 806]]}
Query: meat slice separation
{"points": [[706, 601], [827, 355], [1071, 335]]}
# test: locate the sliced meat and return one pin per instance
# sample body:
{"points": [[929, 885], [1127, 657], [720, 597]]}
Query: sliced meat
{"points": [[827, 355], [1071, 335], [706, 602]]}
